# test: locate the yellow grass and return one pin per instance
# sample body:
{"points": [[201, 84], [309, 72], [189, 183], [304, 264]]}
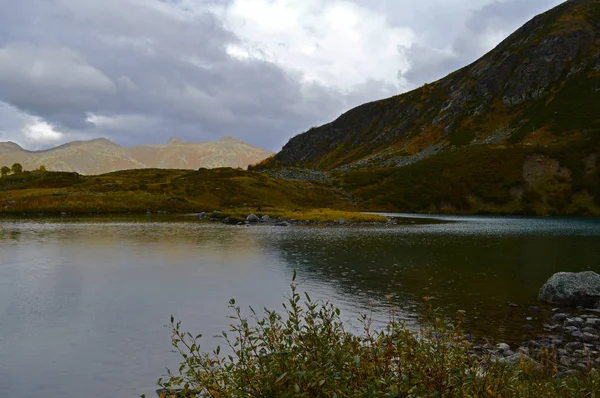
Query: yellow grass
{"points": [[235, 193], [318, 215]]}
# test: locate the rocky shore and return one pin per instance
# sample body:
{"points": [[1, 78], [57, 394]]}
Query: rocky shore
{"points": [[572, 341], [253, 219]]}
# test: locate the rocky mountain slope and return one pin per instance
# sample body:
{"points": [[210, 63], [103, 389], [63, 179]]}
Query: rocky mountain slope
{"points": [[102, 156], [540, 86], [517, 131]]}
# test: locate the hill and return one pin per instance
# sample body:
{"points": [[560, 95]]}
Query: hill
{"points": [[517, 131], [539, 86], [234, 192], [101, 156]]}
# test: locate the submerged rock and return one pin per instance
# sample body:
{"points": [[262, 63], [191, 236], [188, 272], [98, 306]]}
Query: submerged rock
{"points": [[572, 289]]}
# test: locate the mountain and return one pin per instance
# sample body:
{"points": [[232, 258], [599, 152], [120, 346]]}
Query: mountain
{"points": [[516, 131], [540, 85], [101, 156]]}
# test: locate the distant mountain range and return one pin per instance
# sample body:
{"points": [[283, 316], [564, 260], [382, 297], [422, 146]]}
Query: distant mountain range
{"points": [[101, 156]]}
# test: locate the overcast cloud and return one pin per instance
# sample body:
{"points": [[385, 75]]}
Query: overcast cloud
{"points": [[142, 71]]}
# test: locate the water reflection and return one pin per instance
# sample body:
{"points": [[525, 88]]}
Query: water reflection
{"points": [[82, 302], [463, 266]]}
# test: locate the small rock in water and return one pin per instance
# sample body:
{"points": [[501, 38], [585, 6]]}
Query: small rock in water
{"points": [[562, 352], [528, 327], [574, 322], [529, 318], [559, 317], [589, 337], [575, 345], [531, 344], [555, 309], [513, 305], [503, 347], [594, 322], [534, 309], [565, 360]]}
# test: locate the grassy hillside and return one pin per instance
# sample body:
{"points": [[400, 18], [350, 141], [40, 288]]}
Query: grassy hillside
{"points": [[516, 132], [543, 180], [176, 191]]}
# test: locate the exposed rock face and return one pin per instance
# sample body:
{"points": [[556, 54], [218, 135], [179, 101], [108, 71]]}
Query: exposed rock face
{"points": [[572, 289], [103, 156], [544, 72], [538, 169]]}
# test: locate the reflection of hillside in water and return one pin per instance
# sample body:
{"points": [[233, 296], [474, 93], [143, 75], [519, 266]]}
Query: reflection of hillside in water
{"points": [[462, 266], [478, 264], [173, 241]]}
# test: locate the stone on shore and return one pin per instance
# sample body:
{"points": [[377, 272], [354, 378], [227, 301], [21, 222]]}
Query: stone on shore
{"points": [[572, 289], [520, 358], [253, 218]]}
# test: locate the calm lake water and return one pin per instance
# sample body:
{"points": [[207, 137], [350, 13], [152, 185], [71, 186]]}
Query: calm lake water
{"points": [[83, 302]]}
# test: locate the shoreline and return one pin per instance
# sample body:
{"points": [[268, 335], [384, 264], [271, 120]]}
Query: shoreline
{"points": [[571, 342]]}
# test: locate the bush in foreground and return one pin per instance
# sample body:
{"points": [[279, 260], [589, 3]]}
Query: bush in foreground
{"points": [[307, 351]]}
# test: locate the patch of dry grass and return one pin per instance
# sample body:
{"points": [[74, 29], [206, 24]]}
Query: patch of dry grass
{"points": [[234, 192], [317, 215]]}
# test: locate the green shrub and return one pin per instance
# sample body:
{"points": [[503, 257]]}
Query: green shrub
{"points": [[308, 352]]}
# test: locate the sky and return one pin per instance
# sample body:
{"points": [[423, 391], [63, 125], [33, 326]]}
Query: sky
{"points": [[143, 71]]}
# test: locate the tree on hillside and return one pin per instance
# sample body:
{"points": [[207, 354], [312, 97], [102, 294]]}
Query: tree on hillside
{"points": [[17, 168], [42, 168], [4, 171]]}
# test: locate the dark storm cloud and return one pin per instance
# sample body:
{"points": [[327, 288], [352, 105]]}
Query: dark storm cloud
{"points": [[138, 74], [484, 28], [141, 71]]}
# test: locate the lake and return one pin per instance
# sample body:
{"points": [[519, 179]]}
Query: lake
{"points": [[84, 301]]}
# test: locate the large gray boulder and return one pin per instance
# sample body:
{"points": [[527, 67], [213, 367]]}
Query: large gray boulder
{"points": [[572, 289]]}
